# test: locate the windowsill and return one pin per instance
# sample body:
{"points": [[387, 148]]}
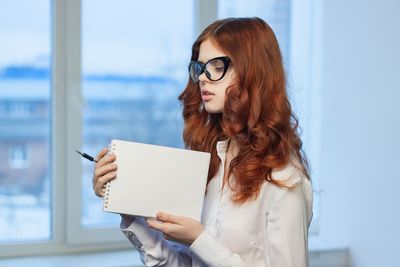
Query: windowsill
{"points": [[120, 258], [322, 254], [317, 244]]}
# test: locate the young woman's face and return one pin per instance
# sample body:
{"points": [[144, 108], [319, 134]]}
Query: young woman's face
{"points": [[213, 92]]}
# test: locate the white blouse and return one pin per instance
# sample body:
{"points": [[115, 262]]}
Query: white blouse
{"points": [[269, 231]]}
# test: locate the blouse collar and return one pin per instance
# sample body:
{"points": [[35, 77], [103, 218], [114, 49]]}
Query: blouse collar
{"points": [[222, 146]]}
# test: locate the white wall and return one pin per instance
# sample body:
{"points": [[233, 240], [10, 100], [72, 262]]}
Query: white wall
{"points": [[360, 146]]}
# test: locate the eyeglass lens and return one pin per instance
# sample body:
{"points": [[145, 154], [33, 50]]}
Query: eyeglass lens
{"points": [[213, 69]]}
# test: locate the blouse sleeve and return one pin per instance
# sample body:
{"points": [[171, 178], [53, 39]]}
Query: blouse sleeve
{"points": [[287, 227], [154, 250], [285, 235]]}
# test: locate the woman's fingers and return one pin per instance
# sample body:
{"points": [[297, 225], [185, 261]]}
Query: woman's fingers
{"points": [[173, 227], [99, 187], [104, 171], [165, 217], [165, 227], [104, 159], [168, 237], [158, 225], [101, 154], [101, 184]]}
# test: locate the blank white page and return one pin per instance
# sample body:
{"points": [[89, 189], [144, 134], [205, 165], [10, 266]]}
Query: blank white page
{"points": [[154, 178]]}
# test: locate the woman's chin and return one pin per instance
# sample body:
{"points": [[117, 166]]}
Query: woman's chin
{"points": [[213, 109]]}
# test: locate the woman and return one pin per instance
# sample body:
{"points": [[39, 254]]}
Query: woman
{"points": [[258, 203]]}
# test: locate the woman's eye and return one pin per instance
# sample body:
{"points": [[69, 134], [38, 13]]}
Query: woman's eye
{"points": [[217, 67]]}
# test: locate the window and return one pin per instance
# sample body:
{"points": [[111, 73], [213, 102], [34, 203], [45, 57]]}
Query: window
{"points": [[85, 103], [25, 213]]}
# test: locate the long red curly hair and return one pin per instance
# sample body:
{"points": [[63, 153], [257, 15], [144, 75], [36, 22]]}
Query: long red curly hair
{"points": [[257, 113]]}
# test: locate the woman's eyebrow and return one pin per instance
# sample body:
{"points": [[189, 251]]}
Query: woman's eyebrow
{"points": [[203, 62]]}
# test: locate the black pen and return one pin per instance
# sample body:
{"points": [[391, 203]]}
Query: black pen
{"points": [[86, 156]]}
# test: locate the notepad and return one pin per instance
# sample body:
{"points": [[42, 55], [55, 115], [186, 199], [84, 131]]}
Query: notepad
{"points": [[153, 178]]}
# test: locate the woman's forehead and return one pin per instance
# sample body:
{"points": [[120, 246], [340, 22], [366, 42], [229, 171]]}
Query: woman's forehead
{"points": [[208, 51]]}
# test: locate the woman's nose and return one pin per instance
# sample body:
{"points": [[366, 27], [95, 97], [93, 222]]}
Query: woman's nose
{"points": [[203, 78]]}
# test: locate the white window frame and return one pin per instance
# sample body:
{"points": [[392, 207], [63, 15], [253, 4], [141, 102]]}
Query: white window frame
{"points": [[305, 73], [67, 67]]}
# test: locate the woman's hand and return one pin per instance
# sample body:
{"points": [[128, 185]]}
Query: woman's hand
{"points": [[104, 171], [177, 228]]}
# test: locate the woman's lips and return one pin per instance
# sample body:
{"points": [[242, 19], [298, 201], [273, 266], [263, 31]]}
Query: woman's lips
{"points": [[206, 95]]}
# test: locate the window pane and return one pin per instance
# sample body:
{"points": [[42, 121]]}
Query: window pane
{"points": [[135, 56], [25, 191]]}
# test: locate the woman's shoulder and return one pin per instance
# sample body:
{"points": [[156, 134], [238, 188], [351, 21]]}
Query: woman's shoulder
{"points": [[297, 191], [292, 179], [290, 176]]}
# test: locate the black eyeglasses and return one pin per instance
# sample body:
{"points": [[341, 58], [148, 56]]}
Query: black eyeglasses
{"points": [[215, 69]]}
